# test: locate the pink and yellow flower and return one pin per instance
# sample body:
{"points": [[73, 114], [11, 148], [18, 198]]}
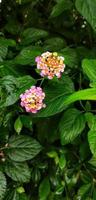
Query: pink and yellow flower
{"points": [[50, 64], [32, 99]]}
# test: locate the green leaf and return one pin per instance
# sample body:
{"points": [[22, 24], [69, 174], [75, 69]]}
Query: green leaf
{"points": [[84, 190], [3, 52], [61, 101], [18, 171], [8, 81], [89, 68], [12, 26], [27, 56], [22, 148], [32, 35], [85, 178], [84, 150], [4, 43], [93, 84], [18, 125], [7, 42], [23, 196], [92, 141], [24, 83], [90, 120], [60, 7], [8, 68], [26, 121], [62, 161], [44, 131], [2, 185], [20, 190], [53, 154], [70, 56], [86, 94], [71, 125], [59, 189], [84, 52], [53, 89], [56, 92], [54, 44], [88, 10], [24, 80], [88, 106], [12, 194], [44, 189], [93, 161], [36, 175], [94, 194]]}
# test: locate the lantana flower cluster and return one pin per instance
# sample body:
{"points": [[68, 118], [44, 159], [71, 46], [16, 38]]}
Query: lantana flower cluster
{"points": [[50, 65], [32, 99]]}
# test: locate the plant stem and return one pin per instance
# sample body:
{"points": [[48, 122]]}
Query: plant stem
{"points": [[41, 82]]}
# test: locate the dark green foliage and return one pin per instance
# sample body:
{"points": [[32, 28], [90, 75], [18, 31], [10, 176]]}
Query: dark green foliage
{"points": [[50, 155]]}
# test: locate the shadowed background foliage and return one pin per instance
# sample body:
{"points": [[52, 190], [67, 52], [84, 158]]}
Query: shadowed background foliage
{"points": [[50, 155]]}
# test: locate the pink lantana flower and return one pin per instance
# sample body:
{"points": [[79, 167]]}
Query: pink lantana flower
{"points": [[32, 99], [50, 64]]}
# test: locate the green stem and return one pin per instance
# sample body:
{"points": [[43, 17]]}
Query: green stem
{"points": [[42, 82]]}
